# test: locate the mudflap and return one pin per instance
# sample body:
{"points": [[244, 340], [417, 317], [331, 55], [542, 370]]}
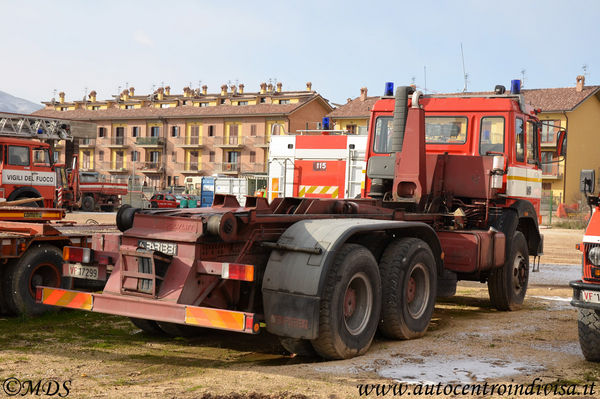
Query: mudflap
{"points": [[577, 299], [291, 315]]}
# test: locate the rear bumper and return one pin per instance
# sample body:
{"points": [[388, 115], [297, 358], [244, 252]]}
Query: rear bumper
{"points": [[151, 309], [578, 286]]}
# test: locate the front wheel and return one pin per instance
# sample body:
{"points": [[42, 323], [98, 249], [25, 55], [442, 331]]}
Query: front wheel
{"points": [[409, 281], [507, 285], [88, 204], [588, 326], [40, 265], [350, 304]]}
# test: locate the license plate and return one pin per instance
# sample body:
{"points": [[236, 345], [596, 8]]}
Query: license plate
{"points": [[167, 248], [590, 296], [86, 272]]}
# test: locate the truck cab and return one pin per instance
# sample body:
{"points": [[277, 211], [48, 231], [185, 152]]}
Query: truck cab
{"points": [[27, 171]]}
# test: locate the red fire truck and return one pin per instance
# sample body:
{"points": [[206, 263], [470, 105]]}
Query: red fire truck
{"points": [[453, 197]]}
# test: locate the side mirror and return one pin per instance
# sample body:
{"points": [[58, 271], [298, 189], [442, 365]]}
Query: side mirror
{"points": [[561, 144]]}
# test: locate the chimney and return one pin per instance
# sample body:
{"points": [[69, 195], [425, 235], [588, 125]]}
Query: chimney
{"points": [[233, 89], [241, 89], [204, 89], [270, 87], [61, 95], [168, 91], [348, 100], [161, 93], [278, 87], [131, 91], [263, 88], [580, 83], [186, 91], [363, 93], [124, 95], [92, 96], [223, 90], [308, 86]]}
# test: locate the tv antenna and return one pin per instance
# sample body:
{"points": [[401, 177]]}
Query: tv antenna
{"points": [[523, 77], [585, 68], [425, 74], [465, 74]]}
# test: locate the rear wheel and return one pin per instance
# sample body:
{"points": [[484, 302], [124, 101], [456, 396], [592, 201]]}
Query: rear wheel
{"points": [[350, 304], [88, 204], [40, 265], [409, 281], [148, 326], [507, 285], [588, 326]]}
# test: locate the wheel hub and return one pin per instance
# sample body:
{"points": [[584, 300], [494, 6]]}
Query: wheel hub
{"points": [[358, 303], [411, 289], [349, 302]]}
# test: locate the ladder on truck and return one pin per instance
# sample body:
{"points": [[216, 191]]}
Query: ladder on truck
{"points": [[29, 126]]}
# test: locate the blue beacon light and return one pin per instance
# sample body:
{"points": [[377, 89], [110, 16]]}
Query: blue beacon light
{"points": [[389, 89], [515, 86]]}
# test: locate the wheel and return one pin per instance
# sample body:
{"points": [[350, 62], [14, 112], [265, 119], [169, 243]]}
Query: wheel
{"points": [[148, 326], [154, 204], [409, 286], [507, 285], [40, 265], [179, 330], [588, 326], [35, 204], [300, 347], [350, 304], [88, 204]]}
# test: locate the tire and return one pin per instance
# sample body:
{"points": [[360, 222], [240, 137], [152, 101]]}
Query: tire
{"points": [[40, 265], [350, 304], [179, 330], [588, 326], [507, 285], [148, 326], [299, 347], [409, 286], [88, 204]]}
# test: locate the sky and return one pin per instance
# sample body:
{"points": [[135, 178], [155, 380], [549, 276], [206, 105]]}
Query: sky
{"points": [[77, 46]]}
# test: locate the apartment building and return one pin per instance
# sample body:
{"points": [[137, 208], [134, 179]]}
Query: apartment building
{"points": [[161, 138]]}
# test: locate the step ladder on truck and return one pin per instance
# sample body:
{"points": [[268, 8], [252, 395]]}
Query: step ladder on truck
{"points": [[452, 192], [32, 234]]}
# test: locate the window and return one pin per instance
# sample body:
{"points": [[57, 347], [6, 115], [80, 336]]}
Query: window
{"points": [[519, 140], [550, 131], [233, 156], [205, 104], [135, 156], [173, 156], [491, 135], [176, 180], [135, 131], [154, 131], [169, 180], [263, 100], [129, 106], [211, 131], [284, 101], [211, 156], [18, 156], [175, 131], [154, 156], [85, 160], [165, 105], [101, 131], [222, 101], [351, 129], [195, 134], [252, 130], [446, 130], [95, 107], [252, 156], [532, 153], [120, 132], [383, 134], [242, 102], [101, 156], [64, 108], [56, 155], [41, 156]]}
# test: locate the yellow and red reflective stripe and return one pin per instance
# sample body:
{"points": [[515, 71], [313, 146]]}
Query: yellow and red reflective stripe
{"points": [[215, 318], [67, 299]]}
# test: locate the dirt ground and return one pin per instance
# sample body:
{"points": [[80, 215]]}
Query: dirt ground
{"points": [[468, 342]]}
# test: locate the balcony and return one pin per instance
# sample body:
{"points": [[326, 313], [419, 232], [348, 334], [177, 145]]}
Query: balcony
{"points": [[228, 168], [229, 142], [150, 167], [117, 142], [192, 142], [552, 171], [87, 143], [150, 142], [118, 168], [190, 168], [253, 168], [258, 141]]}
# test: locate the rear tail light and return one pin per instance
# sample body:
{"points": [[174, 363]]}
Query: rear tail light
{"points": [[237, 271], [77, 254]]}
